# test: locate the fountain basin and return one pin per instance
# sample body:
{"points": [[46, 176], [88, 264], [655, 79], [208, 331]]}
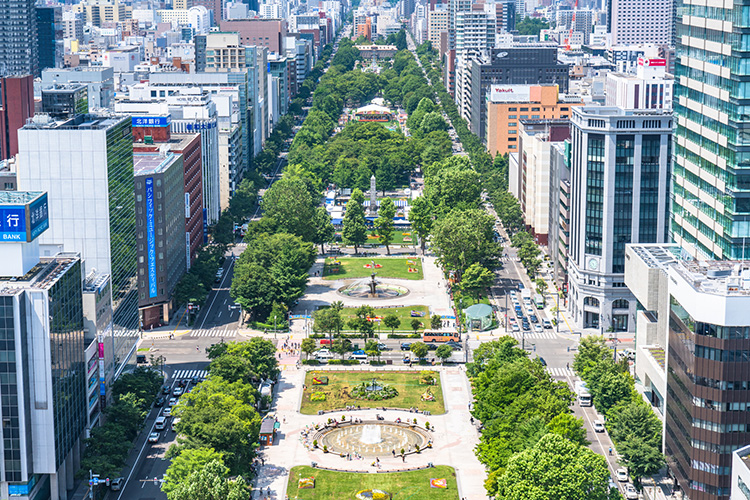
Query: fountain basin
{"points": [[362, 290], [372, 438]]}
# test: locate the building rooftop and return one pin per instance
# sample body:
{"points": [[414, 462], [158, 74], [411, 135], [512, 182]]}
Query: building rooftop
{"points": [[78, 122], [43, 275], [605, 111], [152, 163], [657, 255], [18, 197], [718, 277], [64, 88]]}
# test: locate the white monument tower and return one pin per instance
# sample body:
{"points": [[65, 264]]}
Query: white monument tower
{"points": [[373, 198]]}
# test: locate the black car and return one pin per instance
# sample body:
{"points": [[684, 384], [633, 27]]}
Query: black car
{"points": [[405, 346], [159, 402], [455, 345], [534, 319], [542, 361], [431, 346], [195, 380], [165, 390], [526, 327]]}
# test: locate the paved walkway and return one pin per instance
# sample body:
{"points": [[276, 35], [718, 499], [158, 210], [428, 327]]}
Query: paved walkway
{"points": [[458, 451]]}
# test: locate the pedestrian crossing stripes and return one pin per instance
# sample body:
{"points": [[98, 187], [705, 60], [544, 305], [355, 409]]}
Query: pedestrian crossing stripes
{"points": [[560, 372], [181, 374], [533, 335], [210, 332]]}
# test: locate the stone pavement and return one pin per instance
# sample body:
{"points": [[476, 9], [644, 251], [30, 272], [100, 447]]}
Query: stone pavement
{"points": [[454, 438]]}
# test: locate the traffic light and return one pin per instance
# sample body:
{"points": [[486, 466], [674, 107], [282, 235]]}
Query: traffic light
{"points": [[156, 481], [106, 482]]}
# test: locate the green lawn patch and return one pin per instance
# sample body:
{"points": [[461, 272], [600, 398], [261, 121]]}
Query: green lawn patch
{"points": [[404, 237], [340, 384], [354, 267], [403, 313], [410, 485]]}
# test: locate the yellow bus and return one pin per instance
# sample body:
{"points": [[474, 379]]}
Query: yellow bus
{"points": [[440, 336]]}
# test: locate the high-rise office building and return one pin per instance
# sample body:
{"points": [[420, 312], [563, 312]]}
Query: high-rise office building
{"points": [[19, 52], [87, 161], [693, 357], [50, 31], [16, 106], [641, 21], [44, 381], [63, 101], [99, 80], [438, 21], [160, 208], [619, 195], [711, 199]]}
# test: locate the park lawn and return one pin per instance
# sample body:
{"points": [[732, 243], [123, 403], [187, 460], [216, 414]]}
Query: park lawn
{"points": [[354, 267], [410, 485], [398, 237], [403, 313], [339, 383]]}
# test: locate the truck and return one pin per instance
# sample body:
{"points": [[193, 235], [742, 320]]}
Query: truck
{"points": [[526, 296], [582, 393]]}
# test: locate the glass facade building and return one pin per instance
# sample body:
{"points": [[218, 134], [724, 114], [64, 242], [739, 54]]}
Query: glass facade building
{"points": [[42, 378], [711, 172]]}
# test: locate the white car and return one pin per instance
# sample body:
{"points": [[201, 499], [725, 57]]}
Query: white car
{"points": [[622, 475], [538, 328], [630, 492], [153, 437], [598, 426], [167, 412], [514, 327]]}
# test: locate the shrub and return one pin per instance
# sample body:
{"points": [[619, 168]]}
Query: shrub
{"points": [[315, 443], [313, 362], [427, 425], [318, 396]]}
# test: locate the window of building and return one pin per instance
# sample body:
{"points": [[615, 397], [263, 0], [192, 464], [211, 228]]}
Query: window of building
{"points": [[511, 117], [512, 109], [534, 109], [512, 131], [534, 117], [591, 301], [511, 146], [511, 124], [524, 109]]}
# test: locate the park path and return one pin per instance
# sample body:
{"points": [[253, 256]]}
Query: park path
{"points": [[455, 438]]}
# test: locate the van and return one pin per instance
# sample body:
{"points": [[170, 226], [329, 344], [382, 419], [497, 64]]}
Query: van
{"points": [[358, 355], [323, 354], [174, 423], [161, 423]]}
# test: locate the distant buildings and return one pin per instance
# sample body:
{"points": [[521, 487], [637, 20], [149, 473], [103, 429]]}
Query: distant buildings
{"points": [[99, 80], [49, 37], [16, 106], [641, 21], [19, 49], [619, 194]]}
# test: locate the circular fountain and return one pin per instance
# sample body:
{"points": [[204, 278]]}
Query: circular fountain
{"points": [[372, 439], [372, 289]]}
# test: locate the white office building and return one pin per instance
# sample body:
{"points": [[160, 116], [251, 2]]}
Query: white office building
{"points": [[633, 22], [619, 195], [649, 88]]}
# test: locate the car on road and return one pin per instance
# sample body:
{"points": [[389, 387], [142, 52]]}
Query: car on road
{"points": [[219, 275], [172, 402], [533, 318], [515, 328], [547, 324], [358, 354], [383, 347], [323, 354], [116, 483], [166, 390], [159, 402], [325, 341], [526, 327], [538, 328], [160, 424], [542, 360], [612, 483], [598, 426], [621, 474], [177, 392], [630, 492], [455, 345], [153, 437], [629, 353], [432, 346], [167, 412], [405, 346]]}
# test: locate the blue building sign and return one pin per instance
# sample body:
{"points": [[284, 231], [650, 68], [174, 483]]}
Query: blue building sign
{"points": [[12, 223], [38, 217], [150, 238], [151, 121]]}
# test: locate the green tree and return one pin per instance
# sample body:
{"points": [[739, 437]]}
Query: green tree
{"points": [[570, 427], [261, 355], [289, 205], [211, 483], [531, 26], [232, 368], [421, 218], [475, 280], [323, 225], [436, 322], [634, 418], [465, 237], [415, 324], [277, 316], [612, 388], [372, 349], [555, 468], [384, 223], [341, 346], [444, 352], [391, 321], [419, 349], [354, 231], [308, 346], [431, 122], [541, 286], [186, 463], [592, 350], [640, 458], [328, 320], [190, 289]]}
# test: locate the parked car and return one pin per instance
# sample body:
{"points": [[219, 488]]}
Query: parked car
{"points": [[622, 475], [153, 437], [630, 492], [405, 346], [598, 426]]}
